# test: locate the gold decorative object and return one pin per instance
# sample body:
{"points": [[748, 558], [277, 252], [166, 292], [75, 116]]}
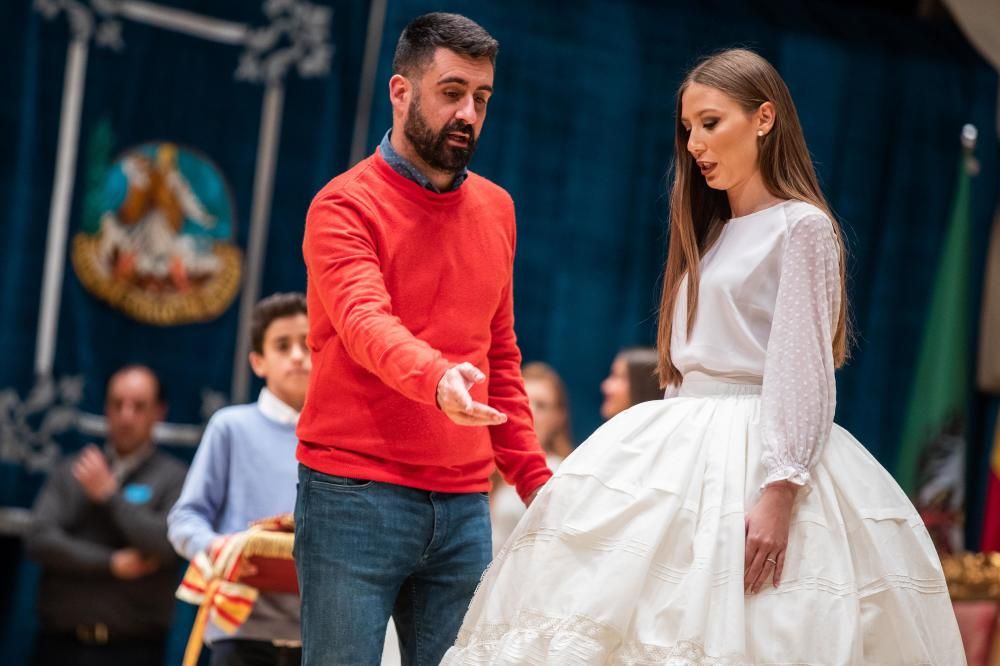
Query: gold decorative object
{"points": [[973, 576]]}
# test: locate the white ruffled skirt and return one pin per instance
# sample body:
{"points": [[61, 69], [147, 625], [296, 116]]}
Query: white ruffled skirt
{"points": [[633, 554]]}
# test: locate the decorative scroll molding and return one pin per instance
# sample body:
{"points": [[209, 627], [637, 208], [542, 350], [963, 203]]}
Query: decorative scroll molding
{"points": [[29, 426], [297, 36]]}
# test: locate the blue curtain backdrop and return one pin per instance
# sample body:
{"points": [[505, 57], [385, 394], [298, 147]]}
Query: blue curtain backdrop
{"points": [[580, 133], [161, 85]]}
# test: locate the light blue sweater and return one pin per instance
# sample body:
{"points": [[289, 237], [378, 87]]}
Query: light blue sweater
{"points": [[244, 470]]}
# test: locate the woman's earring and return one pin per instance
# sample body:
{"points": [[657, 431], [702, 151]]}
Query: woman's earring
{"points": [[760, 132]]}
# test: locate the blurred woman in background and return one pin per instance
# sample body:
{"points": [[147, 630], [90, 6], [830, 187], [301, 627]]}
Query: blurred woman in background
{"points": [[550, 409], [633, 379]]}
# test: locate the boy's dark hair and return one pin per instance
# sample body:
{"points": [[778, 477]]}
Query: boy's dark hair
{"points": [[429, 32], [268, 309]]}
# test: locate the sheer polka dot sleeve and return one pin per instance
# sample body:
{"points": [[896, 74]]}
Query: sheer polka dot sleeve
{"points": [[799, 393]]}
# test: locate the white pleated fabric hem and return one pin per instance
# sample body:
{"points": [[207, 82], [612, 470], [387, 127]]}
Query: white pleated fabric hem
{"points": [[633, 554]]}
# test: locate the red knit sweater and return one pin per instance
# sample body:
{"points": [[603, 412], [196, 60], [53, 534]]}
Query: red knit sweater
{"points": [[403, 283]]}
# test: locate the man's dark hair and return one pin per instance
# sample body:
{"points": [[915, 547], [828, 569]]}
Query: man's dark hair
{"points": [[427, 33], [267, 310], [159, 393]]}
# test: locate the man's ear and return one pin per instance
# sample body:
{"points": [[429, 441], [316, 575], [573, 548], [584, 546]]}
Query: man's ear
{"points": [[400, 92]]}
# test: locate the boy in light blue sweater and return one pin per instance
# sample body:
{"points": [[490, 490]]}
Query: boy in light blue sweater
{"points": [[245, 470]]}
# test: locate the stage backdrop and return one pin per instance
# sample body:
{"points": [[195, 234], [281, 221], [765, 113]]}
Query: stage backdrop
{"points": [[230, 114], [580, 132], [158, 159]]}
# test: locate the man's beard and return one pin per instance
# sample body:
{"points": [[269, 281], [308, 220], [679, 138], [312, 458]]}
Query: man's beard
{"points": [[433, 148]]}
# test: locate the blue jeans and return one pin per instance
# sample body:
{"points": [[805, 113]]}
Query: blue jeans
{"points": [[367, 550]]}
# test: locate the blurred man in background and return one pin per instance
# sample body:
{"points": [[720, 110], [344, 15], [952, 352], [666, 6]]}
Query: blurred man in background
{"points": [[100, 533]]}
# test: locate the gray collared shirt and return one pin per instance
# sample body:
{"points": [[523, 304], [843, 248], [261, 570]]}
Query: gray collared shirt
{"points": [[407, 169], [123, 466]]}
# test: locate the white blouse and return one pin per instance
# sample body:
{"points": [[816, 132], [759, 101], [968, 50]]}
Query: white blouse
{"points": [[768, 304]]}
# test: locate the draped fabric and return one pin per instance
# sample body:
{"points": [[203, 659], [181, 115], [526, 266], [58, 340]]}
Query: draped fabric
{"points": [[215, 83], [187, 131]]}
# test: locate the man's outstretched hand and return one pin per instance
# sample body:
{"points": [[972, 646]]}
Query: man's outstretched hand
{"points": [[455, 401]]}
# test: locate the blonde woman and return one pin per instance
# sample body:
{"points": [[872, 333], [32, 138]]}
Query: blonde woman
{"points": [[549, 404], [732, 523]]}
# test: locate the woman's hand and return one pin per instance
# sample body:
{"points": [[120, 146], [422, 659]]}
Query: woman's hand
{"points": [[767, 527]]}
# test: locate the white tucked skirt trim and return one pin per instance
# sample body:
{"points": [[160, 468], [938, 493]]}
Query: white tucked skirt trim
{"points": [[633, 554]]}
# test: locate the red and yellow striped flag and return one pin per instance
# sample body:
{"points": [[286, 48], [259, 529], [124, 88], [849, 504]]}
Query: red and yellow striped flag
{"points": [[991, 515]]}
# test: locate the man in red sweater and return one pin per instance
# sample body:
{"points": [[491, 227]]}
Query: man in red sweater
{"points": [[416, 388]]}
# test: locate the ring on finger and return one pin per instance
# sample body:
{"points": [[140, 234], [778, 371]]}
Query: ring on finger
{"points": [[772, 561]]}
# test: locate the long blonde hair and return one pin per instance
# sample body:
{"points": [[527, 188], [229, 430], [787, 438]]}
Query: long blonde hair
{"points": [[697, 212]]}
